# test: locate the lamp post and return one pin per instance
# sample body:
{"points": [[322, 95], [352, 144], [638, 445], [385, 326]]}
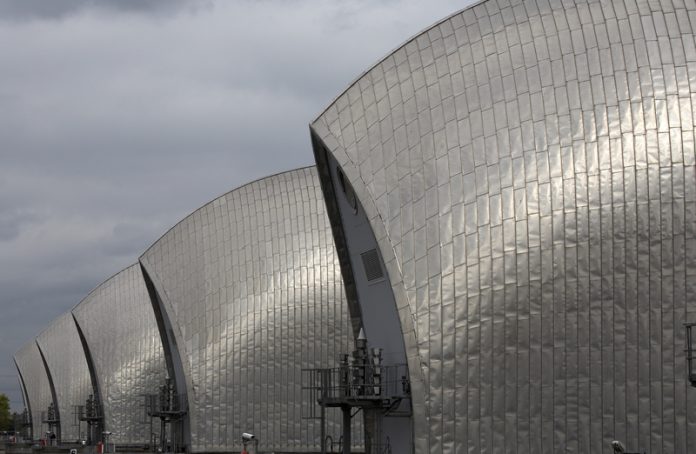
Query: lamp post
{"points": [[249, 438], [106, 442]]}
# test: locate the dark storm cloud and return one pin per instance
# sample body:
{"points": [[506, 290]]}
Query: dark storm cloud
{"points": [[120, 118], [26, 9], [61, 9]]}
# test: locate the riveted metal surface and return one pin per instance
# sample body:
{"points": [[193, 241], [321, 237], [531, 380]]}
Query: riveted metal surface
{"points": [[35, 383], [252, 287], [528, 169], [62, 349], [119, 327]]}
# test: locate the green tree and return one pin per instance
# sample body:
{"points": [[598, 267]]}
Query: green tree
{"points": [[6, 422]]}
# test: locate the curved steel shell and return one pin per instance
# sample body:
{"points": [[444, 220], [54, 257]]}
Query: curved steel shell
{"points": [[32, 374], [528, 171], [67, 367], [120, 330], [252, 288]]}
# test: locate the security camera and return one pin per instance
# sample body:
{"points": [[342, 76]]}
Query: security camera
{"points": [[618, 447], [247, 436], [106, 433]]}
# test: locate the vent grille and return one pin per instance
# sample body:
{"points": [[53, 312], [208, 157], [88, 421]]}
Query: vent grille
{"points": [[371, 263]]}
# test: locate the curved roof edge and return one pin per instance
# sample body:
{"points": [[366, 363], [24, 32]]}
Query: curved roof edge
{"points": [[473, 4], [100, 285], [86, 297], [49, 325], [249, 183]]}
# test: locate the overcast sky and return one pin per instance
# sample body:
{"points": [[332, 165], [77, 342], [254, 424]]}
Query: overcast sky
{"points": [[119, 117]]}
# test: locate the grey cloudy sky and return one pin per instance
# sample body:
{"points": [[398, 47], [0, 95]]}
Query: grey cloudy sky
{"points": [[119, 117]]}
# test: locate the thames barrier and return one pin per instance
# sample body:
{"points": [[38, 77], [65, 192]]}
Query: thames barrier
{"points": [[494, 253]]}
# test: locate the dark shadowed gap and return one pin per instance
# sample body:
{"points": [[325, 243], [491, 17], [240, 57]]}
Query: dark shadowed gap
{"points": [[53, 390], [371, 298], [96, 390], [25, 397], [172, 356]]}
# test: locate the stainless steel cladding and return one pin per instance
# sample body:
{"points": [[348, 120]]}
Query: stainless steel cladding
{"points": [[67, 368], [251, 290], [528, 171], [37, 390], [120, 331]]}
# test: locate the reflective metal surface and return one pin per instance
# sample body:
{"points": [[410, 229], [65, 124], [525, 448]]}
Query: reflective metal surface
{"points": [[37, 390], [67, 366], [528, 170], [120, 330], [252, 288]]}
